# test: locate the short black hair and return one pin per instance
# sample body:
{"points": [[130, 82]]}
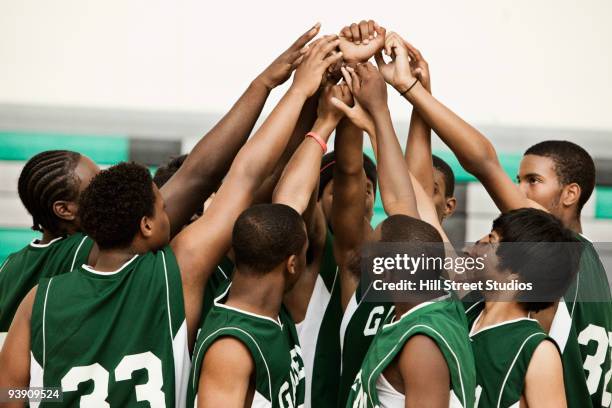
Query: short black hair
{"points": [[539, 254], [447, 172], [115, 201], [167, 170], [46, 178], [573, 164], [264, 235], [421, 239]]}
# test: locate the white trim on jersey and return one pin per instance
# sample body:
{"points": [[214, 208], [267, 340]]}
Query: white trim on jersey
{"points": [[222, 272], [493, 326], [235, 309], [309, 328], [2, 338], [167, 295], [561, 325], [197, 355], [346, 319], [4, 263], [92, 270], [414, 309], [76, 253], [34, 244], [512, 366], [401, 342], [36, 377], [473, 306], [44, 336], [182, 364]]}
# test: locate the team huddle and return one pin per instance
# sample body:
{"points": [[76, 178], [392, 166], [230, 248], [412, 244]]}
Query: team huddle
{"points": [[232, 278]]}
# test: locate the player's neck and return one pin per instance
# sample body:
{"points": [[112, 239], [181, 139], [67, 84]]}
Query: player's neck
{"points": [[262, 295], [499, 312], [570, 219], [401, 308], [110, 260]]}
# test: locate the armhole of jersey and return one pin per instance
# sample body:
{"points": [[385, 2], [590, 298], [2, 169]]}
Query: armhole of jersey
{"points": [[38, 325], [524, 344], [79, 260], [329, 268], [243, 336]]}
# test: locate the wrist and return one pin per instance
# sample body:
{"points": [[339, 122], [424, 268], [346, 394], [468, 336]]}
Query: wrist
{"points": [[298, 92], [403, 85], [262, 82], [414, 93], [324, 126]]}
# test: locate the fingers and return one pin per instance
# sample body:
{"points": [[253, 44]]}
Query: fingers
{"points": [[380, 61], [307, 36], [371, 28], [341, 106], [347, 78], [355, 80], [347, 33], [415, 53], [327, 45], [332, 58], [364, 32], [355, 33]]}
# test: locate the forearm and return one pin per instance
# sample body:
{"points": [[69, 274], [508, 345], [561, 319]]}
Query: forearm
{"points": [[302, 172], [210, 159], [418, 152], [474, 151], [305, 122], [260, 154], [396, 188]]}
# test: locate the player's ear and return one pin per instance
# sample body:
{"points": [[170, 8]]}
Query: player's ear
{"points": [[65, 210], [291, 264], [570, 194], [146, 227], [450, 207]]}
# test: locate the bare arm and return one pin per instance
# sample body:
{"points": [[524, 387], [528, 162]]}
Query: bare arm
{"points": [[544, 378], [225, 375], [210, 159], [199, 247], [15, 354], [424, 373], [348, 206]]}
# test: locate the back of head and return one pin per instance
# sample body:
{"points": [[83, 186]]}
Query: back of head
{"points": [[418, 239], [46, 178], [535, 245], [112, 206], [265, 235], [572, 163], [328, 162], [449, 175], [167, 170]]}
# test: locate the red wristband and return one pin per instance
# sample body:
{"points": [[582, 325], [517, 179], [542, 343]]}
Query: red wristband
{"points": [[319, 140]]}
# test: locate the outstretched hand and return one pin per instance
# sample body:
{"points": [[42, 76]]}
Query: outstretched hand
{"points": [[369, 87], [397, 72], [316, 60], [328, 108], [281, 68], [359, 42], [356, 113]]}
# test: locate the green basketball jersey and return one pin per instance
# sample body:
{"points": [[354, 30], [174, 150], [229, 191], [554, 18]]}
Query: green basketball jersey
{"points": [[216, 282], [502, 353], [592, 322], [274, 347], [115, 339], [360, 322], [319, 334], [22, 270], [445, 323]]}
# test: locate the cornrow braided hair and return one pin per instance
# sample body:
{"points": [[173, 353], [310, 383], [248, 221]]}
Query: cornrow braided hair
{"points": [[46, 178]]}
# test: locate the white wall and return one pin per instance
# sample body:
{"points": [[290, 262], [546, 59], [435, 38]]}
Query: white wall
{"points": [[519, 62]]}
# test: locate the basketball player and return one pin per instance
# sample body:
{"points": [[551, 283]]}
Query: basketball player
{"points": [[137, 271], [558, 177], [51, 182]]}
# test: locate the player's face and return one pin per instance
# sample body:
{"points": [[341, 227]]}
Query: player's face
{"points": [[160, 224], [539, 182], [486, 248], [328, 195], [445, 206]]}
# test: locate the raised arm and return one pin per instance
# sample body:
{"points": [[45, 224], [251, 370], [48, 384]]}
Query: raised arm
{"points": [[396, 189], [296, 186], [474, 151], [199, 247], [212, 156], [348, 219]]}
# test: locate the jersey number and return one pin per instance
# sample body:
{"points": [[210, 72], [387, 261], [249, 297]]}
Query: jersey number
{"points": [[151, 391], [593, 363]]}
